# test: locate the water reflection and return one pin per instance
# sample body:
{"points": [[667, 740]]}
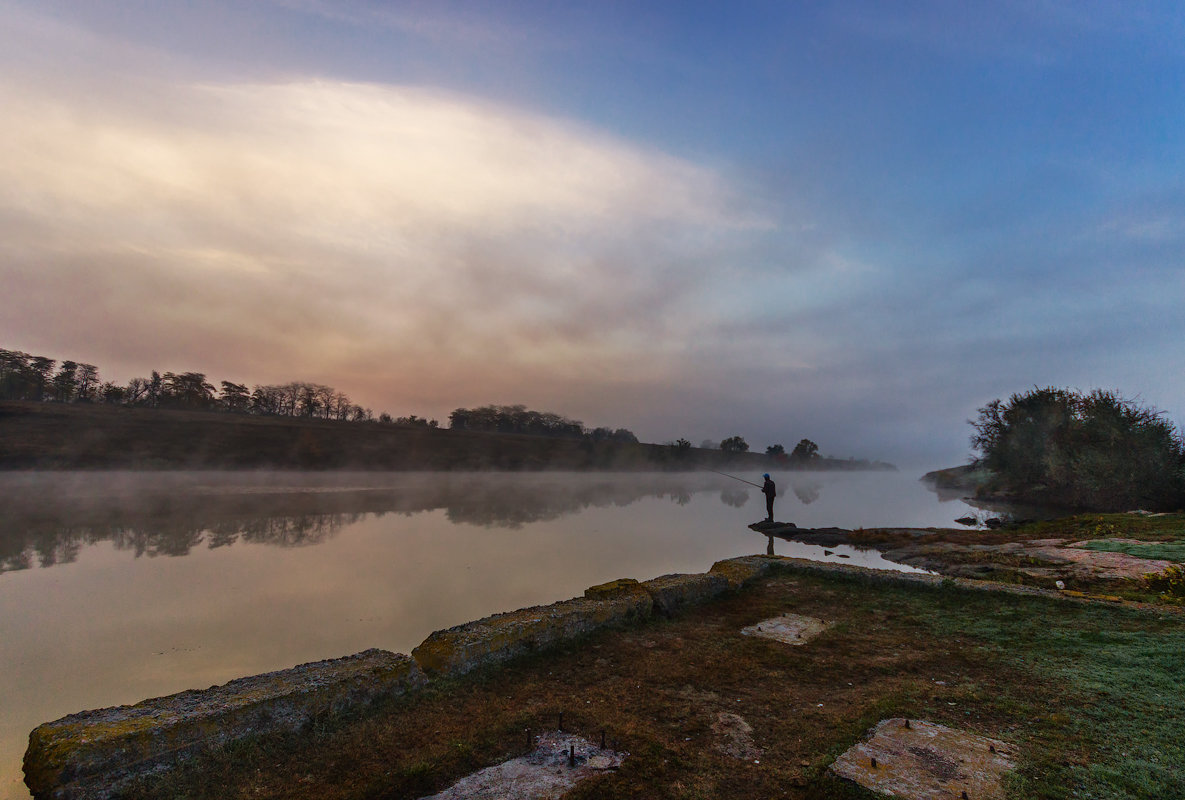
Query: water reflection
{"points": [[734, 497], [50, 518], [807, 492]]}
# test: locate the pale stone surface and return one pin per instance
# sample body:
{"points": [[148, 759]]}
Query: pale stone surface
{"points": [[735, 737], [671, 592], [1101, 563], [544, 774], [86, 755], [791, 629], [926, 761]]}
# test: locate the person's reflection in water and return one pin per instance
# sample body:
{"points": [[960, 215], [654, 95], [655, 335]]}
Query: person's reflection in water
{"points": [[769, 550]]}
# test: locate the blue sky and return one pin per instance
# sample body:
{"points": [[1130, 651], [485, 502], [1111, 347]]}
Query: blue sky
{"points": [[853, 222]]}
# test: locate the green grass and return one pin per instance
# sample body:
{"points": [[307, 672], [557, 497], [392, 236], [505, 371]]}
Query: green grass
{"points": [[1117, 731], [1165, 551], [1099, 526]]}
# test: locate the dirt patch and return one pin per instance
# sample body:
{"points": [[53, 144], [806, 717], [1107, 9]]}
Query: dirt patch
{"points": [[558, 762], [736, 737], [791, 629], [920, 760]]}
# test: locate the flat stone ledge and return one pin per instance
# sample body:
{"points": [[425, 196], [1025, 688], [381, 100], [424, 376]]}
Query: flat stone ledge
{"points": [[558, 762], [86, 755], [791, 629], [919, 760]]}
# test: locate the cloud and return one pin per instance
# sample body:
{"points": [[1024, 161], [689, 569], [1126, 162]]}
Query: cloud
{"points": [[349, 232]]}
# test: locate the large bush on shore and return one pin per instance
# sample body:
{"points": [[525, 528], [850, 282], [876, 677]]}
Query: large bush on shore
{"points": [[1096, 451]]}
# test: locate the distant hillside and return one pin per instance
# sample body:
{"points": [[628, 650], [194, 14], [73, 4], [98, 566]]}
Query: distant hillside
{"points": [[96, 436]]}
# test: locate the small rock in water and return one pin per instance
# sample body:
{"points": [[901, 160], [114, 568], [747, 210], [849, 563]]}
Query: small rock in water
{"points": [[967, 521]]}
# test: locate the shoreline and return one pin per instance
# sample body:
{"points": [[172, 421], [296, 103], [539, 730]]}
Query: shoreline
{"points": [[85, 755]]}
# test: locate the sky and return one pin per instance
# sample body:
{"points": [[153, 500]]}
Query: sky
{"points": [[851, 222]]}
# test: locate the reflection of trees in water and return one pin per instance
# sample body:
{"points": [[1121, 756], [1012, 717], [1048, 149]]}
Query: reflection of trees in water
{"points": [[502, 502], [51, 525], [52, 545], [735, 497], [807, 492]]}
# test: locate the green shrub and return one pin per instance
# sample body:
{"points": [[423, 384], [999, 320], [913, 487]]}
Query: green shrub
{"points": [[1096, 451]]}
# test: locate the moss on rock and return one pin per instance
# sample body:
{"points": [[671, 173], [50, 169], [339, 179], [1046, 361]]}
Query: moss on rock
{"points": [[671, 592], [85, 755], [739, 571], [495, 639]]}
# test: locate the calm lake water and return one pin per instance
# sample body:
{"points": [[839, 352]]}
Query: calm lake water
{"points": [[116, 587]]}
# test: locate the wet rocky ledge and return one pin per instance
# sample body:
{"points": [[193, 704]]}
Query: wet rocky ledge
{"points": [[91, 754], [1043, 562]]}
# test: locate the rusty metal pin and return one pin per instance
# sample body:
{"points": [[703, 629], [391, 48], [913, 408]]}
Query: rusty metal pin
{"points": [[907, 723], [572, 756], [874, 762]]}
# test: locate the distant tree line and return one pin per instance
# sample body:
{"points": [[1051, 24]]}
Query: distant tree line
{"points": [[29, 377], [803, 452], [1096, 451], [520, 419]]}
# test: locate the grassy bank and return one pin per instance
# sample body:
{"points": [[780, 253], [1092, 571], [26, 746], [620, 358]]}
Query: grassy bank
{"points": [[1087, 692]]}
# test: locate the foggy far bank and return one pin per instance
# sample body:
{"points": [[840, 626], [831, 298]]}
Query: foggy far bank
{"points": [[56, 436]]}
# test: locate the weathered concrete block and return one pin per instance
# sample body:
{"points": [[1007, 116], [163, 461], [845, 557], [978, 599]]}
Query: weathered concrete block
{"points": [[501, 637], [616, 588], [85, 755], [670, 592], [740, 571]]}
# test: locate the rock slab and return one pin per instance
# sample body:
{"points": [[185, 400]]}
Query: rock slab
{"points": [[87, 755], [558, 762], [919, 760], [791, 629]]}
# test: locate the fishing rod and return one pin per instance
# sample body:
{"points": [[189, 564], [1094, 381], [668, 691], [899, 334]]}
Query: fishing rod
{"points": [[735, 478]]}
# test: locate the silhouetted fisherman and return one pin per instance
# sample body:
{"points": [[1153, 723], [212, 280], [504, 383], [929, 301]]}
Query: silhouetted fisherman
{"points": [[770, 491]]}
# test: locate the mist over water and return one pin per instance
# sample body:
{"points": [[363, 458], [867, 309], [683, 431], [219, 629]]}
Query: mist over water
{"points": [[116, 587]]}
